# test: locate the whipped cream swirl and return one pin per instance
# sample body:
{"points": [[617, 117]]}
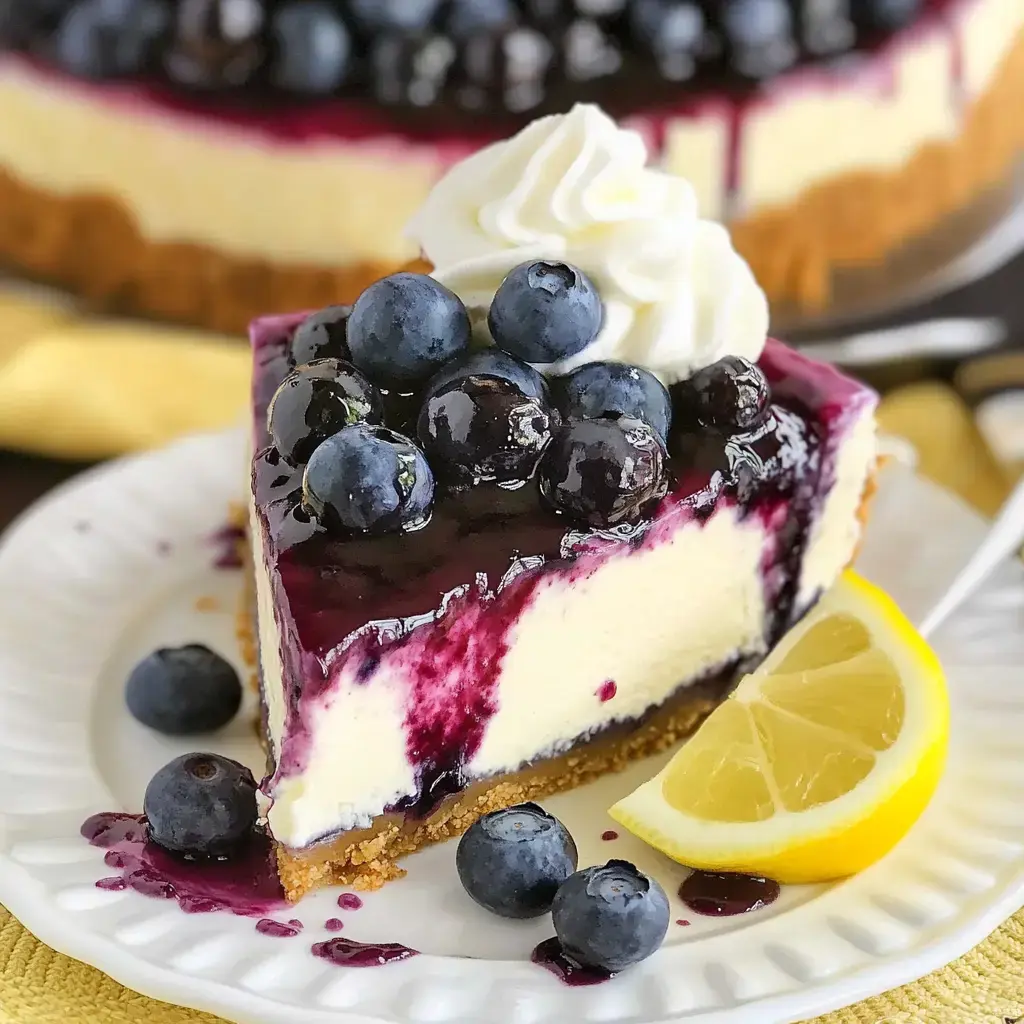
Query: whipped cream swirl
{"points": [[576, 187]]}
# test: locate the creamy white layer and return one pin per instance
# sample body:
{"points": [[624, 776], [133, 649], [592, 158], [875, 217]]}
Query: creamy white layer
{"points": [[185, 178], [649, 620]]}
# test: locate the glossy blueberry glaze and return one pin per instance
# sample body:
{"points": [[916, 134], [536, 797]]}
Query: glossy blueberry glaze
{"points": [[478, 563], [349, 953], [550, 955], [725, 894]]}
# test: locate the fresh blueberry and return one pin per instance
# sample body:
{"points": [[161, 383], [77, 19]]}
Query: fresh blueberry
{"points": [[730, 395], [411, 68], [603, 472], [886, 15], [107, 38], [610, 916], [483, 428], [827, 28], [491, 362], [201, 805], [599, 390], [760, 36], [507, 69], [405, 327], [393, 15], [545, 311], [674, 31], [313, 48], [315, 401], [183, 690], [321, 336], [369, 479], [465, 18], [217, 44], [513, 861]]}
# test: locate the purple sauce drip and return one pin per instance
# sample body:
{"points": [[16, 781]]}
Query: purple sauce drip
{"points": [[247, 885], [683, 923], [723, 894], [610, 835], [227, 541], [607, 691], [278, 929], [553, 958], [348, 953], [328, 589], [334, 924], [349, 901]]}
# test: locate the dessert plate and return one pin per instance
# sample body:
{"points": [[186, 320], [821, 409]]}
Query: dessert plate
{"points": [[126, 558]]}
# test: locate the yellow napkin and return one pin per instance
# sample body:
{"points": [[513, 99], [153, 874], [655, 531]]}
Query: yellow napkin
{"points": [[79, 388], [86, 389]]}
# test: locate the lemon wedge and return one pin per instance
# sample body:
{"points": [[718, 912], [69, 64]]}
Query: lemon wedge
{"points": [[820, 761]]}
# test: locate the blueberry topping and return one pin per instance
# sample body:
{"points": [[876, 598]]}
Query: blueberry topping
{"points": [[886, 15], [545, 311], [312, 48], [369, 479], [508, 69], [393, 15], [730, 395], [599, 390], [469, 17], [674, 31], [759, 36], [272, 476], [483, 428], [109, 38], [217, 43], [411, 69], [610, 916], [603, 472], [491, 362], [321, 336], [405, 327], [315, 401], [183, 690], [513, 861], [201, 805]]}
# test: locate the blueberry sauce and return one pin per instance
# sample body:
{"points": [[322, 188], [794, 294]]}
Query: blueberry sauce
{"points": [[247, 885], [348, 953], [683, 923], [227, 544], [334, 924], [349, 901], [610, 835], [723, 894], [278, 929], [439, 604], [550, 955], [606, 691]]}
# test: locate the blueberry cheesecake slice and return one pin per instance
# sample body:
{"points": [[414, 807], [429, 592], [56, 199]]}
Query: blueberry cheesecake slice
{"points": [[532, 514]]}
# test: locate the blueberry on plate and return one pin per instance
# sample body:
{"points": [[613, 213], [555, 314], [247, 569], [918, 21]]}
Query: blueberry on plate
{"points": [[491, 362], [201, 805], [183, 690], [603, 472], [405, 327], [599, 390], [312, 48], [483, 428], [513, 861], [321, 336], [315, 401], [731, 395], [610, 916], [368, 479], [545, 311]]}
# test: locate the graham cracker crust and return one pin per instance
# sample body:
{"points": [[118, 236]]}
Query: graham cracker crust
{"points": [[91, 245]]}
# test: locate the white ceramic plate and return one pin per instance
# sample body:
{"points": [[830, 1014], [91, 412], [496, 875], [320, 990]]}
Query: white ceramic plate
{"points": [[115, 563]]}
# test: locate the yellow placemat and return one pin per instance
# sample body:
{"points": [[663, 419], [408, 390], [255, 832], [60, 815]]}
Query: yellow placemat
{"points": [[87, 390]]}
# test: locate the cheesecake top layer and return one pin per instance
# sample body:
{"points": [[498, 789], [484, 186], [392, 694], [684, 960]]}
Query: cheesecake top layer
{"points": [[437, 66]]}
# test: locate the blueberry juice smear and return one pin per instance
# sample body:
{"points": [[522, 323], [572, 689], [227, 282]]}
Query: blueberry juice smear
{"points": [[246, 885], [349, 953], [723, 894], [550, 955]]}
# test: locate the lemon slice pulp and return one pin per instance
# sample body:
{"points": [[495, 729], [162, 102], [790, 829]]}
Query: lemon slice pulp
{"points": [[819, 762]]}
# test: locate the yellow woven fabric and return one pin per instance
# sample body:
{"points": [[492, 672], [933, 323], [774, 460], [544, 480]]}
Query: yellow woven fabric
{"points": [[134, 400]]}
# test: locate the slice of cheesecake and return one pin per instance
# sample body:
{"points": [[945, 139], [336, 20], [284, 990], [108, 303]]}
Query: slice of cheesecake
{"points": [[415, 680]]}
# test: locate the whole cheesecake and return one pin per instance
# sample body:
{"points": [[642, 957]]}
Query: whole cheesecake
{"points": [[522, 521], [203, 160]]}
